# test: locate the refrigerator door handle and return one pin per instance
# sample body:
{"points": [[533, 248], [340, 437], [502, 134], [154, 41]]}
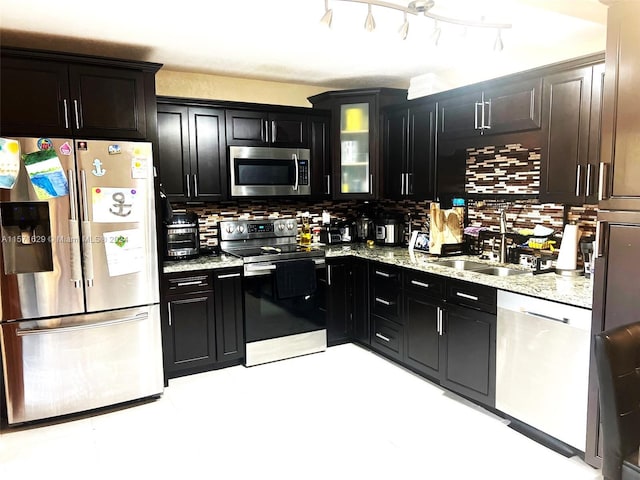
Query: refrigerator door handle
{"points": [[86, 232], [74, 232], [87, 326]]}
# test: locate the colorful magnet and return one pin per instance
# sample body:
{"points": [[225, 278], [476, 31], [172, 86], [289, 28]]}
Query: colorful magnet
{"points": [[81, 145], [114, 149], [9, 162], [45, 144], [98, 171], [46, 174], [139, 168], [65, 149]]}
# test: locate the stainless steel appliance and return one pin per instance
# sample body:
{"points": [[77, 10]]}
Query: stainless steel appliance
{"points": [[283, 289], [182, 236], [542, 365], [79, 318], [266, 171], [390, 230], [365, 228]]}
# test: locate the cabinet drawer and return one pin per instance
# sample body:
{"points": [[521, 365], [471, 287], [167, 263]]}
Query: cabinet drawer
{"points": [[385, 275], [472, 295], [386, 303], [181, 283], [425, 283], [387, 337]]}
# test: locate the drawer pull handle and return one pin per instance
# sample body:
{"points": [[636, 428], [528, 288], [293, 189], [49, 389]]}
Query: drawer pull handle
{"points": [[383, 274], [465, 295], [383, 301], [229, 275], [420, 284], [386, 339], [195, 282]]}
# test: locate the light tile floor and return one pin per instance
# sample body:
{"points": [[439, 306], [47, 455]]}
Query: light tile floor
{"points": [[342, 414]]}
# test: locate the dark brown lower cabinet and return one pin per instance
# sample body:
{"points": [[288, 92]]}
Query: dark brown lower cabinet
{"points": [[468, 353], [615, 299], [422, 336], [202, 321]]}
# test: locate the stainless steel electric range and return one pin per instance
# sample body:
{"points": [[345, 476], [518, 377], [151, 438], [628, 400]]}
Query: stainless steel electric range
{"points": [[284, 289]]}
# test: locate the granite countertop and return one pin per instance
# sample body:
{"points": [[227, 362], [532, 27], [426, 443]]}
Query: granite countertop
{"points": [[203, 262], [576, 291]]}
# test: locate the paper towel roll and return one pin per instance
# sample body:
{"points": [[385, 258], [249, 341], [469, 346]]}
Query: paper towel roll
{"points": [[568, 256]]}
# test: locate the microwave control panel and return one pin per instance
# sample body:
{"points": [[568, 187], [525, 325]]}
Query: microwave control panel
{"points": [[303, 172]]}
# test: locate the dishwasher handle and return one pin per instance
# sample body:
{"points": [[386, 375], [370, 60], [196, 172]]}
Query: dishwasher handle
{"points": [[546, 317]]}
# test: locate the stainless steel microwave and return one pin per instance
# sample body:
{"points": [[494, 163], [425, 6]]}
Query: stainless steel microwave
{"points": [[267, 171]]}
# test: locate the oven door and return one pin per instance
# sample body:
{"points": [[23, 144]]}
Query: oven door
{"points": [[264, 171], [278, 328]]}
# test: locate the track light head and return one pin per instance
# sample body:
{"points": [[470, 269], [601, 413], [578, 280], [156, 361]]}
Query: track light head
{"points": [[327, 18], [369, 23]]}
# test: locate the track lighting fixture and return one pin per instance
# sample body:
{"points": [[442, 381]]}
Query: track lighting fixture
{"points": [[420, 7]]}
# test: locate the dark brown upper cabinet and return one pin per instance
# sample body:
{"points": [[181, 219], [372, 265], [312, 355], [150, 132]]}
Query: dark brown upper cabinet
{"points": [[619, 183], [192, 152], [50, 94], [409, 141], [571, 146], [253, 128], [320, 145], [356, 132], [503, 108]]}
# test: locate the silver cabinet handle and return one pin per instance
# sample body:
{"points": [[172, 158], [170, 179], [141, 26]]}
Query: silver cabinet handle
{"points": [[228, 275], [194, 282], [383, 301], [329, 275], [420, 284], [295, 162], [169, 310], [328, 191], [409, 183], [476, 127], [599, 250], [66, 113], [371, 183], [588, 180], [466, 295], [188, 185], [402, 184], [77, 111], [386, 339], [382, 274], [488, 124], [441, 317], [601, 181], [439, 320], [195, 183], [273, 131], [578, 176]]}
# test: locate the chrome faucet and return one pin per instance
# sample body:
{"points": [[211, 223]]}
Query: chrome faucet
{"points": [[503, 236]]}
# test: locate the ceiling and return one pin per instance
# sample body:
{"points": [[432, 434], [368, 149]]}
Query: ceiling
{"points": [[283, 40]]}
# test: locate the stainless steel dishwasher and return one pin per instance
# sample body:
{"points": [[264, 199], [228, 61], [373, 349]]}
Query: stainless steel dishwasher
{"points": [[542, 363]]}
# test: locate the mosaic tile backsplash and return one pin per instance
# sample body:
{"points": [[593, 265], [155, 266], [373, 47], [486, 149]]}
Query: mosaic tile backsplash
{"points": [[510, 169]]}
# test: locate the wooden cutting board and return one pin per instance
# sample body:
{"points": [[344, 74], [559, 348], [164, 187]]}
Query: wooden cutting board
{"points": [[445, 227]]}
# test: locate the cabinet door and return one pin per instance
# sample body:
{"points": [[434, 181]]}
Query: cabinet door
{"points": [[288, 130], [567, 100], [513, 107], [421, 158], [247, 128], [395, 153], [595, 136], [192, 326], [387, 337], [229, 315], [620, 119], [35, 98], [459, 116], [338, 303], [320, 156], [422, 344], [468, 353], [108, 102], [173, 151], [360, 301], [207, 153]]}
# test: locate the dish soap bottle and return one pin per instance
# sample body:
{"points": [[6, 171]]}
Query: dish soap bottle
{"points": [[305, 233]]}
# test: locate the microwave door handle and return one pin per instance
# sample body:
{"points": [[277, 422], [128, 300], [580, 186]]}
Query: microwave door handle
{"points": [[295, 162]]}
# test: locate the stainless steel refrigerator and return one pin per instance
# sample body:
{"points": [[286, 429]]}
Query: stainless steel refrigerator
{"points": [[79, 299]]}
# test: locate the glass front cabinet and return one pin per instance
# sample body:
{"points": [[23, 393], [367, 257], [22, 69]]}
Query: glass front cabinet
{"points": [[356, 147]]}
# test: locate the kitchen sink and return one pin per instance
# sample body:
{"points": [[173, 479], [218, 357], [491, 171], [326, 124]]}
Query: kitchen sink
{"points": [[501, 271], [461, 264]]}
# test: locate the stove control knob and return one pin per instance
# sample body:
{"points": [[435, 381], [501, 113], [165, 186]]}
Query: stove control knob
{"points": [[281, 226], [240, 228], [290, 225], [230, 228]]}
